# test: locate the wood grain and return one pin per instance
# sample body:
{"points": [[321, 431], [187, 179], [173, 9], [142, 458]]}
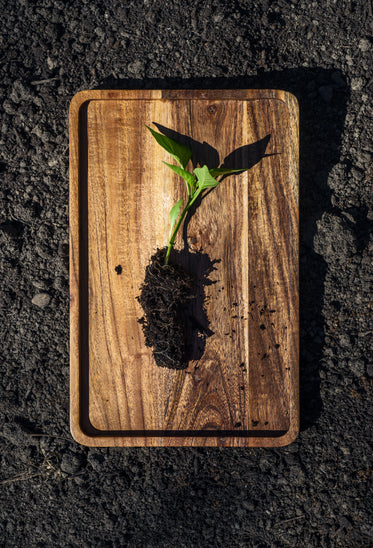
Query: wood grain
{"points": [[244, 389]]}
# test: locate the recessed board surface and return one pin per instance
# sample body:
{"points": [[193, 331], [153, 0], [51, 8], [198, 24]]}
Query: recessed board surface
{"points": [[243, 391]]}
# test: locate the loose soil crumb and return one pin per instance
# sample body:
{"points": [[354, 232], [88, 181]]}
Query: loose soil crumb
{"points": [[165, 294]]}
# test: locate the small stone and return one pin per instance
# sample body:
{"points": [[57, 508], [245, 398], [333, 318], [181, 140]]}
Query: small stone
{"points": [[97, 461], [100, 32], [344, 340], [334, 239], [63, 249], [218, 18], [346, 522], [51, 63], [357, 84], [19, 92], [8, 107], [349, 60], [13, 433], [71, 464], [39, 284], [60, 283], [364, 45], [135, 68], [41, 300], [357, 174], [357, 367]]}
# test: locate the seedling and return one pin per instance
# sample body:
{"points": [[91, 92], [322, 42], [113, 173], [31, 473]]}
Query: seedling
{"points": [[169, 296], [198, 182]]}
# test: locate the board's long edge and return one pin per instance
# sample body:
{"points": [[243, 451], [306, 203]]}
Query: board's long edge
{"points": [[75, 336], [74, 274], [294, 408]]}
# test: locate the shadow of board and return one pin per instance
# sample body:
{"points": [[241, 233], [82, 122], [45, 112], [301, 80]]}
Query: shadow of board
{"points": [[322, 95]]}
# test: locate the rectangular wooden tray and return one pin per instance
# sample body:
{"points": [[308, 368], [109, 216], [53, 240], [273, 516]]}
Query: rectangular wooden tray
{"points": [[243, 391]]}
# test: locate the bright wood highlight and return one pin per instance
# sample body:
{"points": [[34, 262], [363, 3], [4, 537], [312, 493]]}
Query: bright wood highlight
{"points": [[243, 392]]}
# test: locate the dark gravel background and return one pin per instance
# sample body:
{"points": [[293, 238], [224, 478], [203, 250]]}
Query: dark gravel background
{"points": [[312, 493]]}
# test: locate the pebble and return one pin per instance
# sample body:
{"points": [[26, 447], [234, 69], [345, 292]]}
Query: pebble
{"points": [[218, 18], [364, 45], [71, 464], [357, 174], [135, 68], [41, 300], [12, 433], [357, 367], [63, 249], [60, 283], [97, 461], [8, 107], [357, 84], [334, 239], [344, 340]]}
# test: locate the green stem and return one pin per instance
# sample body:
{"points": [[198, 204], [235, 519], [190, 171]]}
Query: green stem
{"points": [[171, 241]]}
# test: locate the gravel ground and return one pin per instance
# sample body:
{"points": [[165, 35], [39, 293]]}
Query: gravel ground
{"points": [[312, 493]]}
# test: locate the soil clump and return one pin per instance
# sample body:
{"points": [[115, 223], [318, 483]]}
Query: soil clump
{"points": [[165, 296]]}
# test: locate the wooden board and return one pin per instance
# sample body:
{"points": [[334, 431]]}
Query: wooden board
{"points": [[243, 391]]}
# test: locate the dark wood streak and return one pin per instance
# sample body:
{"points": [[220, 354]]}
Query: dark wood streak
{"points": [[102, 270], [175, 399], [115, 323]]}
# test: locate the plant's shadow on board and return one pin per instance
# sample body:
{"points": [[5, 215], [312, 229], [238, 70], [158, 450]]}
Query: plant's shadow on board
{"points": [[244, 157], [323, 95]]}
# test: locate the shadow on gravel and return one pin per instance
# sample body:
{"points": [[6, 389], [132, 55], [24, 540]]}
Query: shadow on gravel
{"points": [[323, 96]]}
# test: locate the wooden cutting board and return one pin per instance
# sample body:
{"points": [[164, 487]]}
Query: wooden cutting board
{"points": [[243, 391]]}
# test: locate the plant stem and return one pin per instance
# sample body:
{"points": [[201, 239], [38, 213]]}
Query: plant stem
{"points": [[171, 241], [173, 236]]}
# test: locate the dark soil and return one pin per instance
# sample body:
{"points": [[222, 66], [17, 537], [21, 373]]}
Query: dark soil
{"points": [[165, 295], [173, 298], [314, 493]]}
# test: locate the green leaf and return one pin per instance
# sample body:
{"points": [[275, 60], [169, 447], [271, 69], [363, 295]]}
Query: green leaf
{"points": [[188, 177], [181, 153], [224, 171], [204, 178], [174, 213]]}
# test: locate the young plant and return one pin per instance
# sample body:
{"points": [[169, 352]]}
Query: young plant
{"points": [[202, 179]]}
